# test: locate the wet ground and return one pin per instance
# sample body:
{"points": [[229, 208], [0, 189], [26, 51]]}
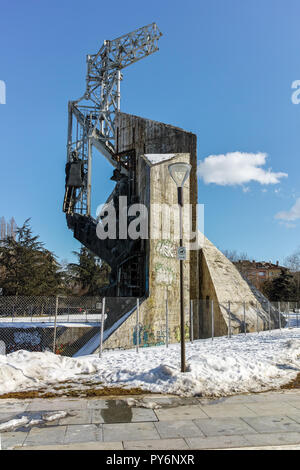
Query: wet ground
{"points": [[152, 422]]}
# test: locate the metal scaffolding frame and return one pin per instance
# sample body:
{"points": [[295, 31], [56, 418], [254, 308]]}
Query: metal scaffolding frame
{"points": [[92, 117]]}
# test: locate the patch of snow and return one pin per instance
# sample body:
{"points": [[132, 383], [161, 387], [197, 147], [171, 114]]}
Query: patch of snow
{"points": [[155, 158], [244, 363], [55, 416], [14, 423]]}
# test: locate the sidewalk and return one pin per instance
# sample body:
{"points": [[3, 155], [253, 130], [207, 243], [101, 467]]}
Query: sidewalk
{"points": [[157, 422]]}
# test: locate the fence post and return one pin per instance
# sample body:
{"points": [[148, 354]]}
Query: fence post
{"points": [[212, 320], [245, 329], [55, 320], [289, 317], [191, 321], [279, 322], [137, 324], [102, 326], [167, 319], [229, 322]]}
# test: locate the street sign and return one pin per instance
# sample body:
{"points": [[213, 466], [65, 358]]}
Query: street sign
{"points": [[181, 253]]}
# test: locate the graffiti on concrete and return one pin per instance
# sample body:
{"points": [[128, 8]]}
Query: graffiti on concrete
{"points": [[186, 332], [166, 248], [148, 337], [163, 274], [32, 337]]}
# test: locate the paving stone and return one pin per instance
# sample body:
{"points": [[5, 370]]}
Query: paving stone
{"points": [[56, 404], [295, 416], [7, 416], [172, 402], [163, 444], [223, 410], [223, 427], [295, 402], [83, 433], [13, 406], [77, 417], [268, 424], [78, 446], [173, 429], [273, 438], [11, 439], [49, 435], [217, 442], [180, 413], [164, 401], [129, 432], [97, 404], [272, 408]]}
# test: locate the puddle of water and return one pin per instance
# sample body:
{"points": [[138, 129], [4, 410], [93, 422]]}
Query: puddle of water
{"points": [[117, 411]]}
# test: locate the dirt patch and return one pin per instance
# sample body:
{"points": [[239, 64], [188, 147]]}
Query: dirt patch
{"points": [[62, 392], [293, 384]]}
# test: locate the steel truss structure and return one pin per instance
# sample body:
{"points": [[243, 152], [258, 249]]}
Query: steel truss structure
{"points": [[91, 121]]}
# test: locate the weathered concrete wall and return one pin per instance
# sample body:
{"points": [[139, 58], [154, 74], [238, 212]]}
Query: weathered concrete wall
{"points": [[146, 136], [164, 267], [155, 187], [221, 282]]}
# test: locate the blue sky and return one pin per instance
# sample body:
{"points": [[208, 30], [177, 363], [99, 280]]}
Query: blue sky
{"points": [[224, 71]]}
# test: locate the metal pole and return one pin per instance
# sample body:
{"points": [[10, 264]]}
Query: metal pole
{"points": [[102, 327], [89, 178], [279, 315], [182, 335], [229, 320], [257, 328], [212, 321], [269, 312], [245, 329], [192, 322], [137, 324], [167, 319], [289, 317], [118, 90], [55, 320]]}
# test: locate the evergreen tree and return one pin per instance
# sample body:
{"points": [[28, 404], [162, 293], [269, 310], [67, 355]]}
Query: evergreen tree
{"points": [[27, 268], [88, 273], [282, 287]]}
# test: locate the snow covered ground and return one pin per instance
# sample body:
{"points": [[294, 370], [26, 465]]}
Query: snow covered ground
{"points": [[254, 362]]}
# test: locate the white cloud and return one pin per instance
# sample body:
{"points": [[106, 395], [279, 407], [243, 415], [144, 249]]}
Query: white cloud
{"points": [[292, 214], [237, 168]]}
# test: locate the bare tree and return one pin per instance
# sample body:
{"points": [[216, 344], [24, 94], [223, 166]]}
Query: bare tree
{"points": [[292, 262]]}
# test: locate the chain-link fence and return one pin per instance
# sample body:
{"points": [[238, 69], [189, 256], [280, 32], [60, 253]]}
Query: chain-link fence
{"points": [[60, 324], [75, 326]]}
